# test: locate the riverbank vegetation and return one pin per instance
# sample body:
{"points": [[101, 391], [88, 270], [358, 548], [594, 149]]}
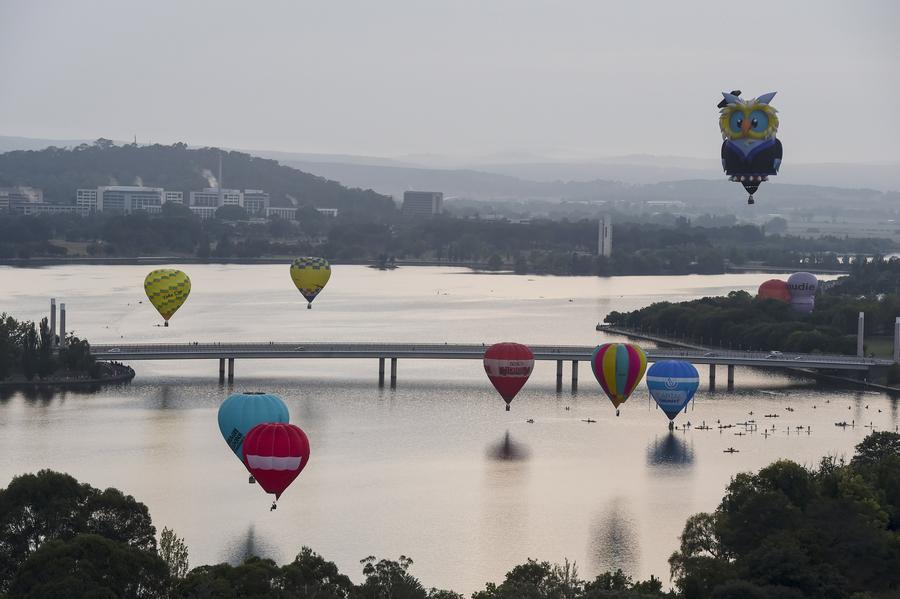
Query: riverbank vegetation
{"points": [[742, 321], [28, 350], [785, 532]]}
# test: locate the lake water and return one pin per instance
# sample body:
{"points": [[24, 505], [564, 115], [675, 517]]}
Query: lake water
{"points": [[434, 469]]}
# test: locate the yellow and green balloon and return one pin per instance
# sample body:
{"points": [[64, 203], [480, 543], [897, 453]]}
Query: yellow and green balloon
{"points": [[310, 275], [167, 289]]}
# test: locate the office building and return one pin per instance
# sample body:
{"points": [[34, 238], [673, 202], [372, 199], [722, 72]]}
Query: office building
{"points": [[330, 212], [174, 197], [86, 200], [422, 204], [282, 212], [256, 201], [216, 198], [10, 196]]}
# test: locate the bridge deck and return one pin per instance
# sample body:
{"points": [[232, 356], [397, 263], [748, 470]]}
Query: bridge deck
{"points": [[452, 351]]}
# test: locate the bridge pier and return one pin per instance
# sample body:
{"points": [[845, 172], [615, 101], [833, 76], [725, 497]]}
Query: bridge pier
{"points": [[230, 370], [712, 377], [381, 372], [574, 376], [731, 377], [393, 372], [559, 368], [221, 370]]}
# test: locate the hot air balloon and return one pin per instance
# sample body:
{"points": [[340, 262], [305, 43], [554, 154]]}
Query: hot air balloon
{"points": [[750, 151], [803, 287], [672, 385], [167, 290], [508, 365], [242, 411], [775, 289], [619, 368], [275, 454], [310, 276]]}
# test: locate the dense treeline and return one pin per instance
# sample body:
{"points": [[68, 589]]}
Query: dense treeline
{"points": [[538, 246], [786, 532], [740, 320], [59, 172], [27, 351]]}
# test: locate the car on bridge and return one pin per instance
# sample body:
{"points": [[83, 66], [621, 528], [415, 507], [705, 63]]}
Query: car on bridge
{"points": [[774, 355]]}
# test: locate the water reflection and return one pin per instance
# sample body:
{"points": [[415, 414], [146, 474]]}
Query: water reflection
{"points": [[614, 539], [670, 453], [507, 450]]}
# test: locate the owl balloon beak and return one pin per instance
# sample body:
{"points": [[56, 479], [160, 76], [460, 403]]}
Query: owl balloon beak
{"points": [[745, 126]]}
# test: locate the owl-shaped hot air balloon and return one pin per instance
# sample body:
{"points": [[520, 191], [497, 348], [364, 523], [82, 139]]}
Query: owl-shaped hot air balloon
{"points": [[750, 152]]}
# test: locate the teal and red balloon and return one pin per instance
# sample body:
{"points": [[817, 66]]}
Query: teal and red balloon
{"points": [[242, 411]]}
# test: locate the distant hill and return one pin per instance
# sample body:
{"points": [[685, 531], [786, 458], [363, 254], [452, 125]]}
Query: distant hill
{"points": [[59, 172], [695, 193]]}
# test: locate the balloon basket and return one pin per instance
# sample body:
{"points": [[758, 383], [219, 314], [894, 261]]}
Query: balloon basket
{"points": [[166, 324], [251, 480], [274, 507], [751, 201], [507, 407], [617, 412], [671, 425], [309, 306]]}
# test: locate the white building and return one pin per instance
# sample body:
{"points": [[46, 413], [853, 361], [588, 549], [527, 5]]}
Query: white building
{"points": [[204, 212], [281, 212], [174, 197], [256, 201], [16, 196], [216, 198], [125, 199], [331, 212], [86, 200]]}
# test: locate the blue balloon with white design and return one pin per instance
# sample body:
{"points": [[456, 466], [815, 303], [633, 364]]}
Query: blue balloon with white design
{"points": [[672, 385]]}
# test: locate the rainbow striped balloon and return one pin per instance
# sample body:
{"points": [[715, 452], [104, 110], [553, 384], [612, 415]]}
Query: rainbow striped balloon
{"points": [[619, 367]]}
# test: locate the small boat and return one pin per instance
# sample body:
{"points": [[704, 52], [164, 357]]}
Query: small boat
{"points": [[530, 421], [703, 427], [589, 421], [841, 424], [731, 450]]}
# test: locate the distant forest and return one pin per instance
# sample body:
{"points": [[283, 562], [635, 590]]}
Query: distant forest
{"points": [[59, 172]]}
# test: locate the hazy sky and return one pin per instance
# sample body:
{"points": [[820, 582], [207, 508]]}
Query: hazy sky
{"points": [[470, 78]]}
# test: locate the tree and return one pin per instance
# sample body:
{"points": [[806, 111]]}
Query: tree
{"points": [[876, 447], [256, 578], [45, 361], [387, 579], [89, 565], [174, 552], [37, 508], [231, 213], [29, 351], [309, 575]]}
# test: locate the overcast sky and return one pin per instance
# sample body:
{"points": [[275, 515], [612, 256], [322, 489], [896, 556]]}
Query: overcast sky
{"points": [[576, 79]]}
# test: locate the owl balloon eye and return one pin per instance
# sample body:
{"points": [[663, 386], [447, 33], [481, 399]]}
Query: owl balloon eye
{"points": [[736, 121], [759, 121]]}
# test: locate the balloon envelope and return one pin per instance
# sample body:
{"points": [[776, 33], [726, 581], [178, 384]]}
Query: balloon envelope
{"points": [[619, 368], [803, 287], [508, 366], [167, 289], [310, 276], [672, 385], [775, 289], [242, 411], [275, 454]]}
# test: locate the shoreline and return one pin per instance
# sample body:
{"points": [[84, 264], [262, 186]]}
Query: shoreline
{"points": [[121, 373], [478, 267]]}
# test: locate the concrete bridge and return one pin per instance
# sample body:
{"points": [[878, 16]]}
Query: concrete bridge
{"points": [[229, 352]]}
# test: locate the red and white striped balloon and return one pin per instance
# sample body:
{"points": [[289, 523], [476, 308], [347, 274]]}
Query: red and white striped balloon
{"points": [[508, 366], [275, 453]]}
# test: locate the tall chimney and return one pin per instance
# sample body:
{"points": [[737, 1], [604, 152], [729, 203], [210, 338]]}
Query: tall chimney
{"points": [[53, 321], [62, 325]]}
